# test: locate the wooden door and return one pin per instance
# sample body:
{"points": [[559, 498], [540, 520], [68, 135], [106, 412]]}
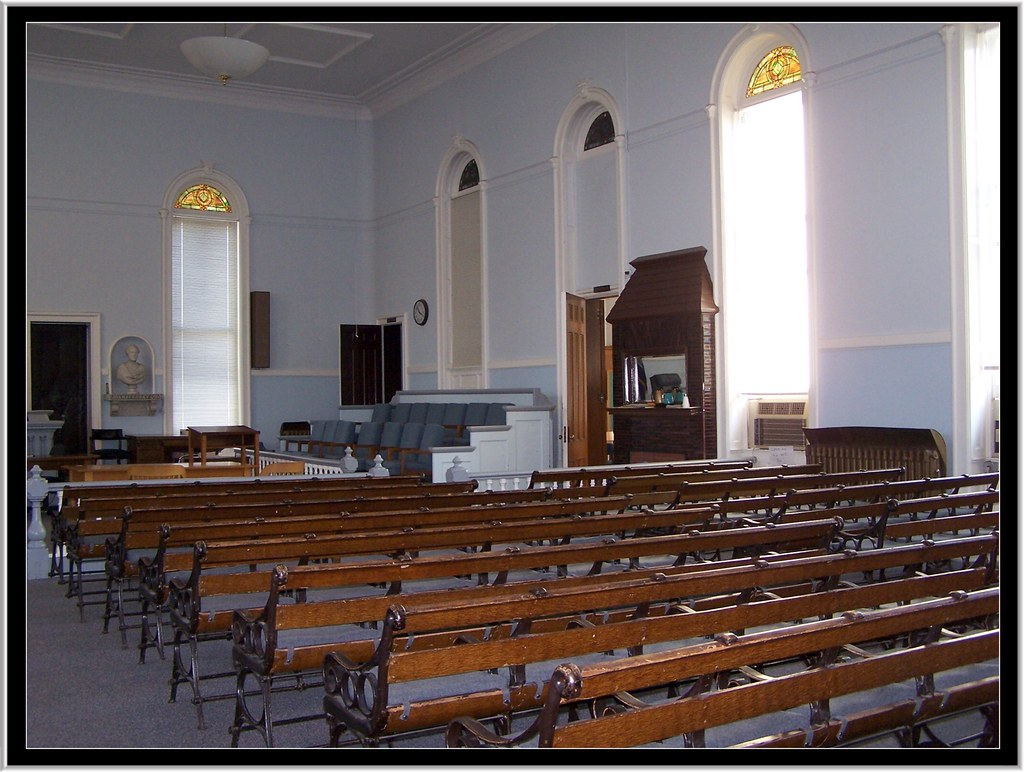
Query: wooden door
{"points": [[574, 432], [597, 385], [361, 364]]}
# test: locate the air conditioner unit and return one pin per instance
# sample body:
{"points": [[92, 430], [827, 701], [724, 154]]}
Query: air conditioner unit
{"points": [[776, 421]]}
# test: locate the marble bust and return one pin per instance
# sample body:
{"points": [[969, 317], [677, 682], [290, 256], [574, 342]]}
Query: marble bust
{"points": [[131, 372]]}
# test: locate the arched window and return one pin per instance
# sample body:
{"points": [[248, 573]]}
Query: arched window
{"points": [[470, 176], [206, 247], [601, 132], [462, 322], [762, 228]]}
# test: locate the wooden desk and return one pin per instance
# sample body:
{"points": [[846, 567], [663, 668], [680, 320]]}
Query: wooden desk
{"points": [[206, 438], [156, 448], [115, 472]]}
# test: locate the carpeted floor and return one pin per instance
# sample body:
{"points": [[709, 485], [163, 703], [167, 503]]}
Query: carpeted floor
{"points": [[82, 690]]}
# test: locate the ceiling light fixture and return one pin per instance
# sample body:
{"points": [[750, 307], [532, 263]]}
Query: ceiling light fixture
{"points": [[224, 57]]}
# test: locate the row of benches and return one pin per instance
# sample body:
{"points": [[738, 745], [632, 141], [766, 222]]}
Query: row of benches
{"points": [[252, 630]]}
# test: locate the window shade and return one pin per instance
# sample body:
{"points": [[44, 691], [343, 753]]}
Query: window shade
{"points": [[205, 378]]}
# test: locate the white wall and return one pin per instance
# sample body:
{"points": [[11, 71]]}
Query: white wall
{"points": [[99, 162], [343, 212], [879, 144]]}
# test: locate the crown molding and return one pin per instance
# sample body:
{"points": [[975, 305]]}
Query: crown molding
{"points": [[469, 51], [192, 88]]}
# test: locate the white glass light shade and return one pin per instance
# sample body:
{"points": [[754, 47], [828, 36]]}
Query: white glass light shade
{"points": [[224, 57]]}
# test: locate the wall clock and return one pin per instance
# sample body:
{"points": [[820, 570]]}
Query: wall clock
{"points": [[420, 312]]}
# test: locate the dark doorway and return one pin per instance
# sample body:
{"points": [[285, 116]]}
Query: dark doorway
{"points": [[371, 363], [60, 381]]}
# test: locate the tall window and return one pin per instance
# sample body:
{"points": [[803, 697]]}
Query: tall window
{"points": [[982, 200], [763, 229], [206, 309]]}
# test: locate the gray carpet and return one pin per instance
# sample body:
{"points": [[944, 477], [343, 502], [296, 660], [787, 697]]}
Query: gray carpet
{"points": [[83, 690]]}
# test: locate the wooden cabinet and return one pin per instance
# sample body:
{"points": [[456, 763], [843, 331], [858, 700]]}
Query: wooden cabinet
{"points": [[156, 448]]}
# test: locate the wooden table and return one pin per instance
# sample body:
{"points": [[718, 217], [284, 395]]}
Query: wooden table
{"points": [[206, 438], [115, 472]]}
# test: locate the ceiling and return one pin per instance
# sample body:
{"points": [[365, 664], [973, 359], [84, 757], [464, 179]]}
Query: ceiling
{"points": [[373, 66]]}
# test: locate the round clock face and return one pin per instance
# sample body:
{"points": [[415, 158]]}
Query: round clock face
{"points": [[420, 311]]}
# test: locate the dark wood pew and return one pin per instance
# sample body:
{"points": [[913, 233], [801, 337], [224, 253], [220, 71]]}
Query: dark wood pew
{"points": [[597, 477], [193, 623], [422, 642], [124, 558], [65, 519], [844, 655], [755, 481], [638, 483], [85, 539], [899, 489]]}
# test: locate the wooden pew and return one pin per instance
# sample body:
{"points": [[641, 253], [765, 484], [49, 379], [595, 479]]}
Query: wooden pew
{"points": [[84, 504], [86, 539], [666, 480], [597, 477], [124, 560], [421, 642], [875, 523], [898, 489], [194, 623], [843, 658]]}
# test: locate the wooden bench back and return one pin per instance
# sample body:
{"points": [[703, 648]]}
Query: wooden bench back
{"points": [[672, 550], [559, 596], [472, 535], [599, 476], [425, 641], [147, 534], [898, 489], [262, 498], [817, 684], [72, 494]]}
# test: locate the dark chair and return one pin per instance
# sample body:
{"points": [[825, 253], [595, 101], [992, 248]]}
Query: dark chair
{"points": [[388, 436], [118, 454], [453, 421], [334, 446], [381, 412], [400, 412], [435, 413], [367, 442], [418, 413], [408, 437], [495, 414], [418, 459]]}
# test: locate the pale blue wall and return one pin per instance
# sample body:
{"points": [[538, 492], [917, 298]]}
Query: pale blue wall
{"points": [[99, 163], [343, 211], [878, 117]]}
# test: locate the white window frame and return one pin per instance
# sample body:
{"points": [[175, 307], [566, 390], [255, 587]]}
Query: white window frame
{"points": [[973, 387], [240, 214], [728, 98]]}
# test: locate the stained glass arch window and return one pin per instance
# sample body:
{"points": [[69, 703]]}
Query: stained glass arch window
{"points": [[778, 68], [601, 132], [203, 197]]}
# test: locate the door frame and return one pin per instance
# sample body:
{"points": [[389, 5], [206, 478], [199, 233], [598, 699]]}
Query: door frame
{"points": [[563, 368], [401, 319], [93, 367]]}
